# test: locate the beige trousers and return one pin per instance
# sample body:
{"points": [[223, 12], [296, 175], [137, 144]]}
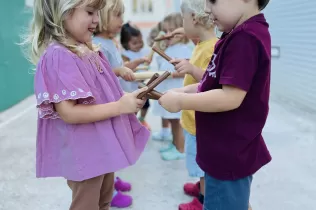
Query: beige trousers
{"points": [[92, 194]]}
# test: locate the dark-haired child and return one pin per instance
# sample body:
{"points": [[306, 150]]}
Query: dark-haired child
{"points": [[133, 44]]}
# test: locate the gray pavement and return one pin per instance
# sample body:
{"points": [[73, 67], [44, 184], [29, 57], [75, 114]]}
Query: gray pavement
{"points": [[287, 183]]}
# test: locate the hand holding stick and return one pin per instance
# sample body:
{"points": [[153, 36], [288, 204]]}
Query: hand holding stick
{"points": [[154, 84], [155, 95], [169, 36]]}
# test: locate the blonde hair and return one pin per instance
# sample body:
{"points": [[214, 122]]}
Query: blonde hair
{"points": [[152, 35], [111, 7], [197, 8], [176, 20], [48, 25]]}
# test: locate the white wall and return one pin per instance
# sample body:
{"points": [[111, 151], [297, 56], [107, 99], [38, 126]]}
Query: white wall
{"points": [[293, 29]]}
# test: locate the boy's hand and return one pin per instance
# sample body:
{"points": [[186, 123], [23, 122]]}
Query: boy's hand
{"points": [[171, 101], [183, 66], [178, 90], [127, 74]]}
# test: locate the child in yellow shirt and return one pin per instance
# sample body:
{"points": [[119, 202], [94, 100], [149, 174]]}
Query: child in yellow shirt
{"points": [[197, 26]]}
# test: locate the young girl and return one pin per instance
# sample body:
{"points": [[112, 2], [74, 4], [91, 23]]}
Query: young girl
{"points": [[197, 26], [86, 126], [133, 44], [231, 103], [177, 47], [111, 20], [165, 133]]}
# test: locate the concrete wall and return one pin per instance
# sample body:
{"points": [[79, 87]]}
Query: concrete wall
{"points": [[293, 28], [16, 82]]}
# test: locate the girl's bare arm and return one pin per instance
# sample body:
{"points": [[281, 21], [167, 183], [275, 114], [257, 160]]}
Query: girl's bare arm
{"points": [[74, 113]]}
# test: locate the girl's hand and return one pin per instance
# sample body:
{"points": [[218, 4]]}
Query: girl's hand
{"points": [[127, 74], [183, 66], [144, 60], [179, 33], [171, 101], [129, 103]]}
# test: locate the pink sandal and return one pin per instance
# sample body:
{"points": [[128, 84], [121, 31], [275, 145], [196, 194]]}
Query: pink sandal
{"points": [[122, 186]]}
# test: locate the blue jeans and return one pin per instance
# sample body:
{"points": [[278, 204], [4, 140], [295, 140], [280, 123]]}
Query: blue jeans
{"points": [[227, 195]]}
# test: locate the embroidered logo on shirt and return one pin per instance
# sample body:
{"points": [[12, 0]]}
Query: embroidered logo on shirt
{"points": [[211, 67]]}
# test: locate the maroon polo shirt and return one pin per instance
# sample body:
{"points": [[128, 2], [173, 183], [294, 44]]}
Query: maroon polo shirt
{"points": [[230, 145]]}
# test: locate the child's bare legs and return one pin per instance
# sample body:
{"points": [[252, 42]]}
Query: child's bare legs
{"points": [[177, 133], [164, 134], [143, 113], [164, 123], [197, 190], [92, 194], [202, 186], [175, 151]]}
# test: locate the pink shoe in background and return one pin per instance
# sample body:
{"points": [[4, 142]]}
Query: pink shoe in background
{"points": [[192, 189], [121, 201], [122, 186]]}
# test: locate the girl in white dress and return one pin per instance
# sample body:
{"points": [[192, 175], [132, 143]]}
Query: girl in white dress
{"points": [[177, 48]]}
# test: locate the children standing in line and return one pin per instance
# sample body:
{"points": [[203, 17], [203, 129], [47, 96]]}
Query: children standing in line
{"points": [[197, 26], [84, 118], [231, 103], [133, 44], [111, 21], [177, 47]]}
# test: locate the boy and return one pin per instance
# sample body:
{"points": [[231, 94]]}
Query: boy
{"points": [[231, 103]]}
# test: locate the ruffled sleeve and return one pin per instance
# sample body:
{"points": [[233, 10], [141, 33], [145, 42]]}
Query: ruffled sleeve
{"points": [[59, 78]]}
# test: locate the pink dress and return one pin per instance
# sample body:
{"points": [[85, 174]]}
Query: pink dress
{"points": [[82, 151]]}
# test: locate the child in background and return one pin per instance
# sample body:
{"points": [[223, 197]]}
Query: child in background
{"points": [[111, 20], [133, 44], [83, 117], [177, 47], [231, 103], [197, 26], [165, 133]]}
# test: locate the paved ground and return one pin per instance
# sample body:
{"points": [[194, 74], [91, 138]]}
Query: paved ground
{"points": [[288, 183]]}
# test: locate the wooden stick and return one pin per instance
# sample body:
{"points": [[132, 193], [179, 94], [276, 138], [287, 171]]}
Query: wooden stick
{"points": [[166, 37], [154, 94], [152, 97], [153, 78], [154, 84], [142, 68], [147, 75], [161, 53], [158, 39], [164, 55]]}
